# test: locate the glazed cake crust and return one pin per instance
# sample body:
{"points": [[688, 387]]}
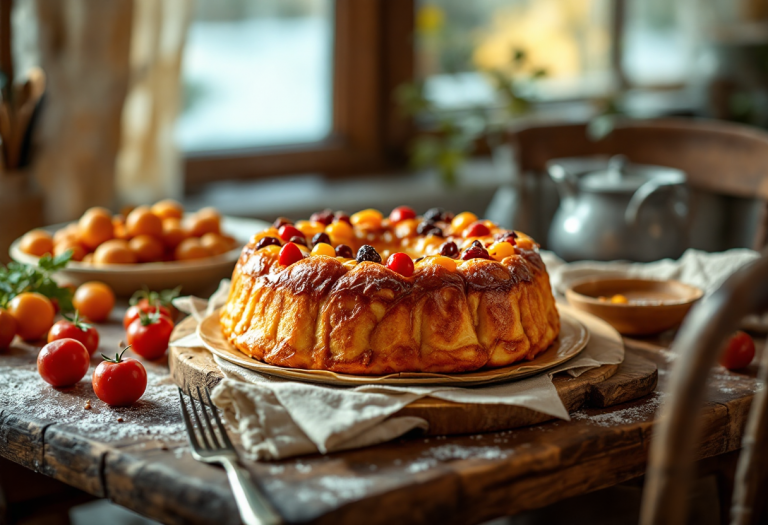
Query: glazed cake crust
{"points": [[319, 313]]}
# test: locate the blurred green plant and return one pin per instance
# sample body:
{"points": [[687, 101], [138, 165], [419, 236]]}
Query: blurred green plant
{"points": [[449, 138], [607, 113]]}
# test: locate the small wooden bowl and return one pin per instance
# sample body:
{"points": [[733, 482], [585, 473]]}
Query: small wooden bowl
{"points": [[654, 306]]}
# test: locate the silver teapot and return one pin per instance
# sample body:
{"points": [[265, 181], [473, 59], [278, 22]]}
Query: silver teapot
{"points": [[611, 209]]}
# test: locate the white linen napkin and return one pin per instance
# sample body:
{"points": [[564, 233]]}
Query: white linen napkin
{"points": [[697, 268], [278, 418]]}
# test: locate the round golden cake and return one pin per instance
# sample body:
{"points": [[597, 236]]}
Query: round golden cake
{"points": [[463, 294]]}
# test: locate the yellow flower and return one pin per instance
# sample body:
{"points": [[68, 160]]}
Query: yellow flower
{"points": [[430, 19]]}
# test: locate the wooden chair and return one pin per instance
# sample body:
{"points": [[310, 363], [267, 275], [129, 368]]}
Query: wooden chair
{"points": [[719, 157], [698, 346]]}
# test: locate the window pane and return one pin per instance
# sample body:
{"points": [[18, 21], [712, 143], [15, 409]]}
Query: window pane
{"points": [[257, 73], [460, 41], [658, 43]]}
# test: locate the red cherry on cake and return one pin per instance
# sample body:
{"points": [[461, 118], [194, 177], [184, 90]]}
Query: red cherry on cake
{"points": [[267, 241], [281, 221], [400, 263], [287, 231], [477, 229], [475, 251], [449, 249], [325, 216], [340, 216], [289, 254], [342, 250], [401, 213]]}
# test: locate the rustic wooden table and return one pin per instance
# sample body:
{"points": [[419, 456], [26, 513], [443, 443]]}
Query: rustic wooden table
{"points": [[138, 456]]}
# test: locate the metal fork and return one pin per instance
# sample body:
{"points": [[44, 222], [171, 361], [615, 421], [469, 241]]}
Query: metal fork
{"points": [[254, 507]]}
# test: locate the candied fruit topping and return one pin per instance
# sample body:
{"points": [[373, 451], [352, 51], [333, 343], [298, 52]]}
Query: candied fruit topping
{"points": [[400, 214], [340, 231], [322, 248], [461, 221], [475, 251], [501, 250], [525, 243], [438, 214], [369, 219], [310, 228], [340, 216], [296, 239], [321, 237], [267, 241], [449, 249], [429, 228], [280, 221], [325, 216], [440, 260], [342, 250], [477, 229], [506, 237], [368, 253], [288, 230], [400, 263], [289, 254]]}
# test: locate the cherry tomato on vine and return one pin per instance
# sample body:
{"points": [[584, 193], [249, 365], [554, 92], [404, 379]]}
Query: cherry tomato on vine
{"points": [[63, 362], [149, 335], [120, 381], [738, 352], [149, 301], [133, 312], [75, 328]]}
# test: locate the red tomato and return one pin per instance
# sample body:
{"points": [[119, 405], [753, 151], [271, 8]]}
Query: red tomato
{"points": [[401, 213], [149, 335], [739, 351], [75, 329], [143, 306], [63, 362], [400, 263], [120, 381]]}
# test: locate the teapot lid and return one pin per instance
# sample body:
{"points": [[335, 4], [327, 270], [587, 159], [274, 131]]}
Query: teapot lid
{"points": [[620, 176]]}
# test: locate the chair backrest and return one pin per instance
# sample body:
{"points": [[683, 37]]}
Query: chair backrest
{"points": [[719, 157], [698, 345]]}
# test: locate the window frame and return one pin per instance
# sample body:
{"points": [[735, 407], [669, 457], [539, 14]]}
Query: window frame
{"points": [[373, 52]]}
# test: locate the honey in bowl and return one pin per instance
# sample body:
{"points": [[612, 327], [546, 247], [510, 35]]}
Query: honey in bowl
{"points": [[635, 306]]}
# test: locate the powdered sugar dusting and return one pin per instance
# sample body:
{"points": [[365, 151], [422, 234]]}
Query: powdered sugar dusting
{"points": [[625, 416], [155, 416], [449, 452]]}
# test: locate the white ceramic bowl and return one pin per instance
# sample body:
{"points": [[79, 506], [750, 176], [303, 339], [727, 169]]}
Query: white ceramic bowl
{"points": [[192, 276]]}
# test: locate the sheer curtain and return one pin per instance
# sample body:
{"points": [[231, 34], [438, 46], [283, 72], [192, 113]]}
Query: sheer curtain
{"points": [[106, 133]]}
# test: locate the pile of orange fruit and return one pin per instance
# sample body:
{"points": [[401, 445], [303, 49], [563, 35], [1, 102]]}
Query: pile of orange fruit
{"points": [[143, 234]]}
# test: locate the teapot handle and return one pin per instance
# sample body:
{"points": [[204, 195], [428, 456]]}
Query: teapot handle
{"points": [[641, 196], [567, 183]]}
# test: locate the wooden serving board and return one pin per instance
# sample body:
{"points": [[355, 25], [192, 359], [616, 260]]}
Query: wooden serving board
{"points": [[601, 387]]}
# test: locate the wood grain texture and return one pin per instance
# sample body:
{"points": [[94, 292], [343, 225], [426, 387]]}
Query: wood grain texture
{"points": [[144, 462], [195, 367]]}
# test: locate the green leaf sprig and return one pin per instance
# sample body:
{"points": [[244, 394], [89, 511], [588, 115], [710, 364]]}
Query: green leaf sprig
{"points": [[162, 298], [17, 278]]}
